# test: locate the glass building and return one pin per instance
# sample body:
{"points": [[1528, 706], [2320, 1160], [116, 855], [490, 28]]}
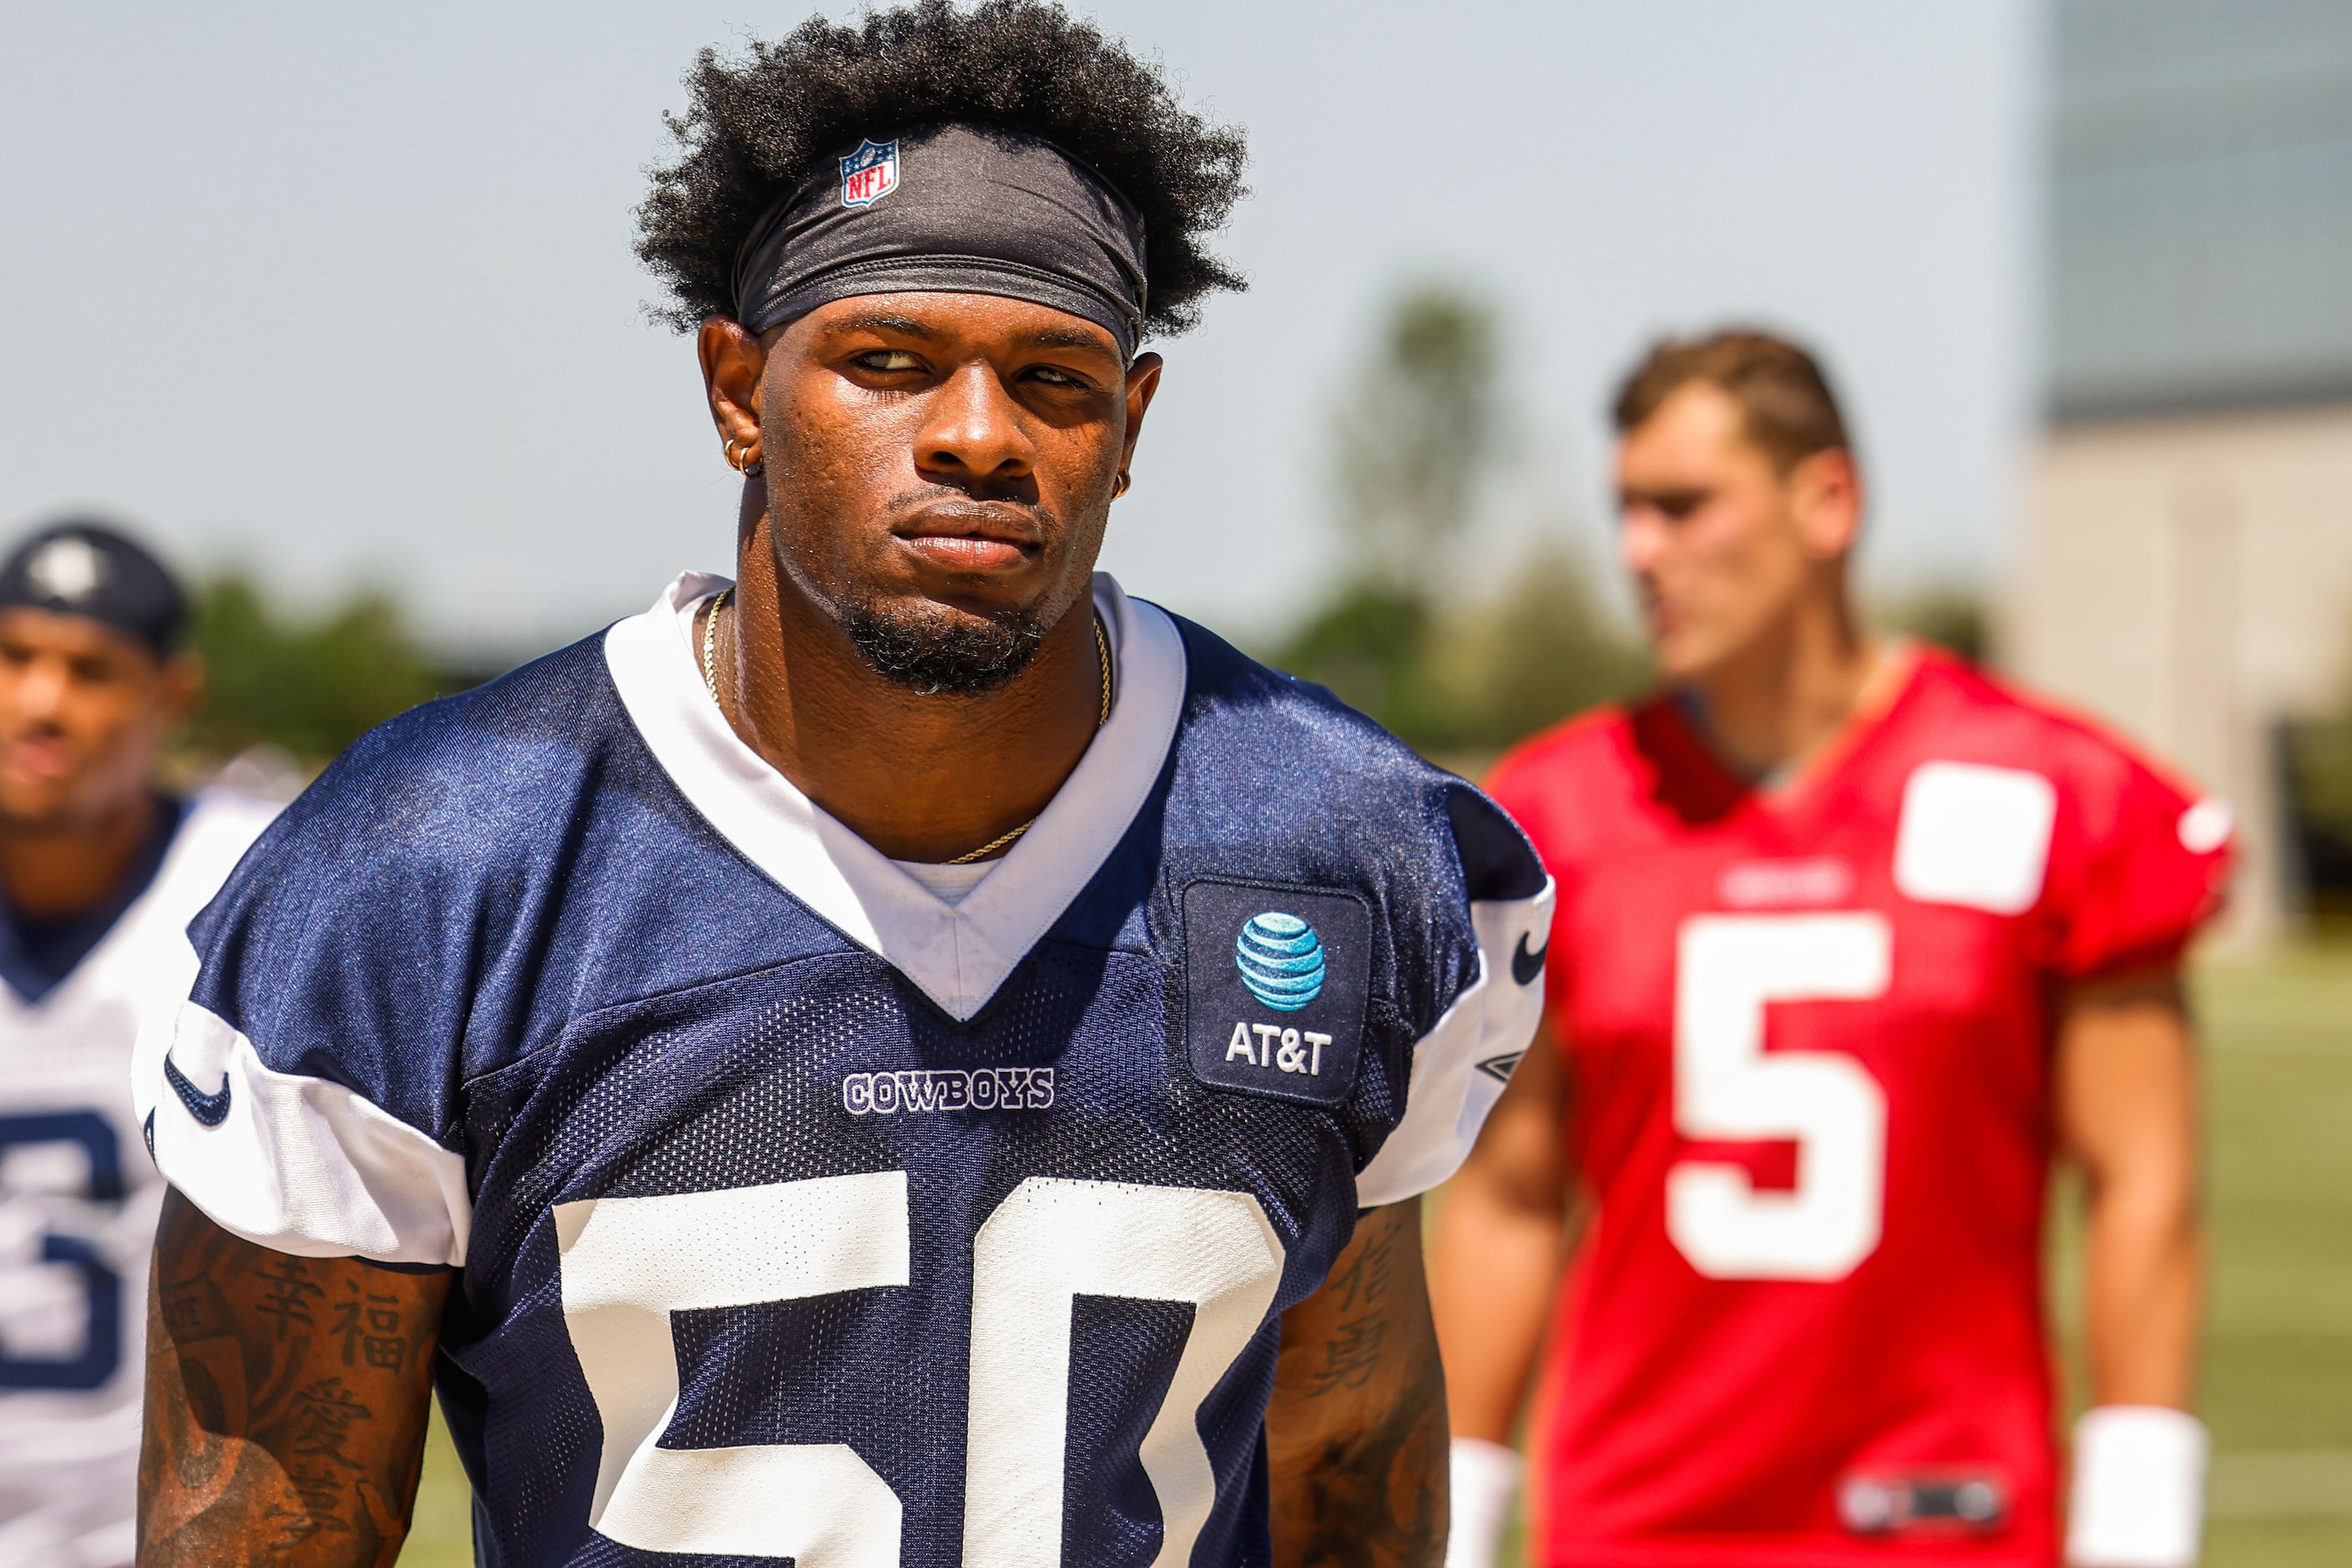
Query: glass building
{"points": [[2186, 569], [2201, 203]]}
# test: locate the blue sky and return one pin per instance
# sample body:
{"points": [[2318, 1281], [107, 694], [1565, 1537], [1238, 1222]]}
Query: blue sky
{"points": [[344, 292]]}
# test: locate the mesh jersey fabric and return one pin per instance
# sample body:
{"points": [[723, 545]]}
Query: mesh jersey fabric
{"points": [[78, 1199], [1762, 1336], [955, 1270]]}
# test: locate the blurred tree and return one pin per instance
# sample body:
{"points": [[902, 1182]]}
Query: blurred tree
{"points": [[1416, 440], [1367, 645], [2319, 780], [1536, 651], [1429, 648], [310, 690], [1952, 618], [1411, 444]]}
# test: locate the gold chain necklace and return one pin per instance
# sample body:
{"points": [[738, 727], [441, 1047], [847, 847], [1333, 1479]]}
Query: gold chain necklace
{"points": [[1003, 841], [711, 644]]}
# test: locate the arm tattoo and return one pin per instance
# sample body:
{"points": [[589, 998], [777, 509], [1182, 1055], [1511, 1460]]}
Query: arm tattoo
{"points": [[287, 1400], [1351, 1357], [1356, 1437]]}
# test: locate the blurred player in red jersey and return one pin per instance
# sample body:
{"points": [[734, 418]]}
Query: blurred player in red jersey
{"points": [[1853, 940]]}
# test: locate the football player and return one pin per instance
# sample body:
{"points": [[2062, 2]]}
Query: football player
{"points": [[1852, 939], [909, 1055], [100, 873]]}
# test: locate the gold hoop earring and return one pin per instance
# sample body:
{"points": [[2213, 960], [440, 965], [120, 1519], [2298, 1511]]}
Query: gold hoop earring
{"points": [[1120, 486], [741, 461]]}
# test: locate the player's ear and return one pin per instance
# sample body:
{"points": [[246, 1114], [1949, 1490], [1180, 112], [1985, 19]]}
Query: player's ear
{"points": [[1143, 385], [182, 685], [1826, 492], [732, 362]]}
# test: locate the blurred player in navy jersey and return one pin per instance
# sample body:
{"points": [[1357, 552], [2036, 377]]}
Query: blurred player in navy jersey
{"points": [[907, 1057], [1852, 939], [99, 874]]}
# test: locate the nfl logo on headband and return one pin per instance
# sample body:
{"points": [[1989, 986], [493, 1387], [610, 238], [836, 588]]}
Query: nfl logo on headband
{"points": [[870, 173]]}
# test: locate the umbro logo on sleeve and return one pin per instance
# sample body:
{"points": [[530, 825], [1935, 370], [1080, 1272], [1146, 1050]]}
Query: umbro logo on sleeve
{"points": [[1500, 1069], [209, 1110]]}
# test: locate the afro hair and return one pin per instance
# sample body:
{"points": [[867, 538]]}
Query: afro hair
{"points": [[757, 125]]}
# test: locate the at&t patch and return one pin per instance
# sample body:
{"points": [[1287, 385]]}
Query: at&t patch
{"points": [[1275, 984]]}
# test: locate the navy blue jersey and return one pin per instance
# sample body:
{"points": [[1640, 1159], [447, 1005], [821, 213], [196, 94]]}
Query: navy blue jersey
{"points": [[802, 1211]]}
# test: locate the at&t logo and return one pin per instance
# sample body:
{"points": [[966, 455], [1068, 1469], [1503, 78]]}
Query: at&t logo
{"points": [[1281, 961]]}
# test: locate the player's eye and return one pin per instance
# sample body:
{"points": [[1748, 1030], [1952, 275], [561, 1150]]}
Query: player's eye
{"points": [[1055, 376], [1676, 505], [888, 362]]}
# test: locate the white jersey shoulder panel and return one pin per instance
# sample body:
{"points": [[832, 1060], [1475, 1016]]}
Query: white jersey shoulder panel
{"points": [[294, 1163], [1460, 1067]]}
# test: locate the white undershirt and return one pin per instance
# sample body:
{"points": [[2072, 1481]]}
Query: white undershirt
{"points": [[950, 884]]}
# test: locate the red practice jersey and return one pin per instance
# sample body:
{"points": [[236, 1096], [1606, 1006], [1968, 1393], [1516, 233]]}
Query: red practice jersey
{"points": [[1808, 1036]]}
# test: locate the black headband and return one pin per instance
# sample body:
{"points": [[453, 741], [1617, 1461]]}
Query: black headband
{"points": [[87, 569], [955, 208]]}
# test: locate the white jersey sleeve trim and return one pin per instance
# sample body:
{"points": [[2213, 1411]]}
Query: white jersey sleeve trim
{"points": [[1460, 1067], [292, 1162]]}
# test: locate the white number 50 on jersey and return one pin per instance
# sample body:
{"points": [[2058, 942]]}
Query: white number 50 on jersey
{"points": [[1728, 1087], [629, 1263]]}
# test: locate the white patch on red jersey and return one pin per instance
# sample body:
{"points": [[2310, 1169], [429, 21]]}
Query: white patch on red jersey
{"points": [[1975, 835], [1809, 883], [2206, 826]]}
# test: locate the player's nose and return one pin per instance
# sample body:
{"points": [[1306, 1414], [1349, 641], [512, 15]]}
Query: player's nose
{"points": [[41, 690], [972, 430], [1641, 541]]}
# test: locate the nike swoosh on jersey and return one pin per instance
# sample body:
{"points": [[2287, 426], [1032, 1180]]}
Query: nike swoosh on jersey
{"points": [[1526, 965], [211, 1110]]}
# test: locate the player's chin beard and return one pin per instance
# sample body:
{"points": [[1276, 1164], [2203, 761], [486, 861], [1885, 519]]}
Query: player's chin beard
{"points": [[934, 651]]}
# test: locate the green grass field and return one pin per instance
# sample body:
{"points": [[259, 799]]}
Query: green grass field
{"points": [[2278, 1372], [2278, 1378]]}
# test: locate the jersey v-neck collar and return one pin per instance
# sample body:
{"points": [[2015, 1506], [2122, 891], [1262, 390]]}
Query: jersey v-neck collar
{"points": [[1822, 774], [957, 954]]}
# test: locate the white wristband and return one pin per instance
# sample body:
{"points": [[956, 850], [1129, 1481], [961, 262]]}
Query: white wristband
{"points": [[2139, 1488], [1486, 1482]]}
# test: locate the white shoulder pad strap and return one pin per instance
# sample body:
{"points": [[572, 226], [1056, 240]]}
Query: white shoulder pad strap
{"points": [[291, 1163], [1460, 1067]]}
